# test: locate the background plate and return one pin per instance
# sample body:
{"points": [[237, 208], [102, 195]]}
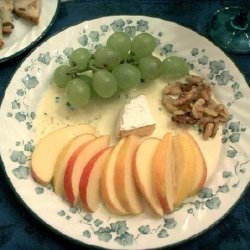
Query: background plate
{"points": [[25, 34]]}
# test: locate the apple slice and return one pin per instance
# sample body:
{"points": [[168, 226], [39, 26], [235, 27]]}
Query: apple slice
{"points": [[164, 173], [77, 163], [125, 185], [184, 166], [200, 167], [63, 159], [44, 157], [89, 187], [108, 186], [143, 172]]}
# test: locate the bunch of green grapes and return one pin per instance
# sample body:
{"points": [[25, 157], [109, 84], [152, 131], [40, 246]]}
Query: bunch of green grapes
{"points": [[121, 64]]}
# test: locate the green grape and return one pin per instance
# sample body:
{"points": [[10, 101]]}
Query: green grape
{"points": [[143, 45], [78, 93], [104, 83], [89, 81], [150, 67], [62, 75], [106, 58], [79, 59], [127, 75], [173, 68], [120, 42]]}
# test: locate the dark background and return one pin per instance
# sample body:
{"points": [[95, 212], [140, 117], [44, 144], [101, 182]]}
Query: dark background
{"points": [[19, 229]]}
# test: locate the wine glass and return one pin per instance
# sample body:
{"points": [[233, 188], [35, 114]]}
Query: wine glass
{"points": [[230, 29]]}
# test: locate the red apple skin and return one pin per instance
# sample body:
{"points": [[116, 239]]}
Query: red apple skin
{"points": [[85, 177], [75, 166], [68, 174]]}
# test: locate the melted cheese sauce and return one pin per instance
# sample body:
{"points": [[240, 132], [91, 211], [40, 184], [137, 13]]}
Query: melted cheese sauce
{"points": [[53, 113]]}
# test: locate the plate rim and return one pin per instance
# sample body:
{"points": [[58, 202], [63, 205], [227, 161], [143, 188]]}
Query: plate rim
{"points": [[67, 237], [35, 42]]}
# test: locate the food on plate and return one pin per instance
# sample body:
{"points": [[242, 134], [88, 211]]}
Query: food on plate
{"points": [[169, 170], [108, 183], [191, 103], [200, 167], [184, 160], [150, 67], [77, 163], [164, 173], [104, 83], [63, 158], [28, 9], [120, 65], [6, 15], [89, 186], [127, 191], [46, 152], [1, 35], [136, 118], [173, 68], [143, 172], [78, 92]]}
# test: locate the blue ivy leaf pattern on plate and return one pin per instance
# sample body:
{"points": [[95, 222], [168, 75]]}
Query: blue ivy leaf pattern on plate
{"points": [[227, 174], [213, 203], [44, 58], [30, 81], [125, 239], [104, 28], [203, 60], [235, 137], [68, 51], [104, 234], [168, 48], [98, 222], [20, 116], [130, 30], [216, 66], [15, 104], [163, 233], [83, 40], [94, 36], [144, 229], [39, 190], [206, 193], [170, 223], [18, 156], [61, 213], [88, 217], [86, 234], [118, 25], [142, 25], [21, 172], [223, 189], [195, 52]]}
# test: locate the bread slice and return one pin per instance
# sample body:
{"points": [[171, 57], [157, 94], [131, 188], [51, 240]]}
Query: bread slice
{"points": [[6, 8], [28, 9]]}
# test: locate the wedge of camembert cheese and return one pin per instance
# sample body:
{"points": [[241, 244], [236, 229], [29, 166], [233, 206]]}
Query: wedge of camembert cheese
{"points": [[136, 118]]}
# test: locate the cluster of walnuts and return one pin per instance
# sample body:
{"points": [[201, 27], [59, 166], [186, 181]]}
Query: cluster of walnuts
{"points": [[191, 103]]}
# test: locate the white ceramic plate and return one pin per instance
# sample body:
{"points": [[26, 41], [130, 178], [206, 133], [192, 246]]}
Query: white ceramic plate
{"points": [[25, 34], [23, 121]]}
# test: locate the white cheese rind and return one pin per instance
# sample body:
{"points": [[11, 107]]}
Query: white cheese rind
{"points": [[136, 114]]}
